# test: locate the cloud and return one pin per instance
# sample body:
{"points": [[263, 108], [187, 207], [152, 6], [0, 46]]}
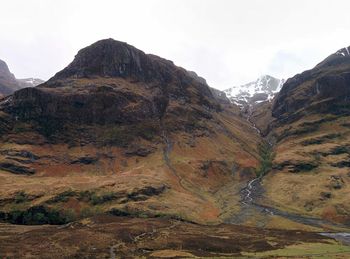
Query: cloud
{"points": [[285, 64]]}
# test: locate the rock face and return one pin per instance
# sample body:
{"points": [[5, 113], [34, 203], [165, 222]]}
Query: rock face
{"points": [[110, 58], [263, 89], [310, 129], [220, 96], [8, 83], [92, 89], [325, 88], [197, 77]]}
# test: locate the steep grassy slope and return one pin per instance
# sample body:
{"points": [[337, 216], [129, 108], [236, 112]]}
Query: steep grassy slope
{"points": [[310, 126], [125, 133]]}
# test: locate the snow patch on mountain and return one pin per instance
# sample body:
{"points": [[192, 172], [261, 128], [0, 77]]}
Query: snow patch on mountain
{"points": [[263, 89], [29, 82], [344, 52]]}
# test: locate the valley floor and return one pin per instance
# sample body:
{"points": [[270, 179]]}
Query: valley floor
{"points": [[118, 237]]}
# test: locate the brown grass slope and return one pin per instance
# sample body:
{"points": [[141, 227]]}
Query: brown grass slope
{"points": [[111, 237], [121, 132], [310, 126]]}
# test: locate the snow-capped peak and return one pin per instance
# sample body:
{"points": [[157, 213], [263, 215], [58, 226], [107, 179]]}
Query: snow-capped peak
{"points": [[263, 89], [29, 82]]}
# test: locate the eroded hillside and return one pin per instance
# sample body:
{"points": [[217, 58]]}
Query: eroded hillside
{"points": [[125, 133], [309, 124]]}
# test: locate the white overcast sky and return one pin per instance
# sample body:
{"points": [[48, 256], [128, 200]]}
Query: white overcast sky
{"points": [[228, 42]]}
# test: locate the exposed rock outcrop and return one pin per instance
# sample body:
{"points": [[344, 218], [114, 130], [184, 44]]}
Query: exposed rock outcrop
{"points": [[112, 82], [8, 83], [323, 89]]}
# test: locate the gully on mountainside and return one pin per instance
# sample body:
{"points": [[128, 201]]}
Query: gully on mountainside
{"points": [[253, 191]]}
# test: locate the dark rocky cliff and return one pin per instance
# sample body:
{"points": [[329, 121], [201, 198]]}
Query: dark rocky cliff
{"points": [[8, 83], [324, 89], [113, 82]]}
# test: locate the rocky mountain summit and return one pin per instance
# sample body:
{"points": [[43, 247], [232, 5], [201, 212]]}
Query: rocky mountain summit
{"points": [[91, 89], [263, 89]]}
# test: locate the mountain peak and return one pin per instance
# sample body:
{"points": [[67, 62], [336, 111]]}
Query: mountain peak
{"points": [[108, 58], [260, 90], [119, 74], [337, 58]]}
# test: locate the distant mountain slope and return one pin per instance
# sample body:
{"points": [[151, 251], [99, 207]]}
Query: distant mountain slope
{"points": [[218, 94], [261, 90], [29, 82], [9, 84]]}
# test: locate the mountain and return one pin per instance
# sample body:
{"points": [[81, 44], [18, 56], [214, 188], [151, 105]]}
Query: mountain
{"points": [[122, 132], [136, 157], [8, 83], [29, 82], [309, 124], [263, 89], [219, 95]]}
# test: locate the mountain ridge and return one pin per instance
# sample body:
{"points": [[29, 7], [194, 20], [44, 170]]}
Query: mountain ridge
{"points": [[261, 90]]}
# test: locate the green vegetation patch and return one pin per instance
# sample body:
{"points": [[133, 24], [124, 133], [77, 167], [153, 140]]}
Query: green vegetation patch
{"points": [[62, 197], [305, 127], [266, 157], [37, 215], [340, 150], [21, 197], [87, 196], [301, 130], [297, 167], [124, 212]]}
